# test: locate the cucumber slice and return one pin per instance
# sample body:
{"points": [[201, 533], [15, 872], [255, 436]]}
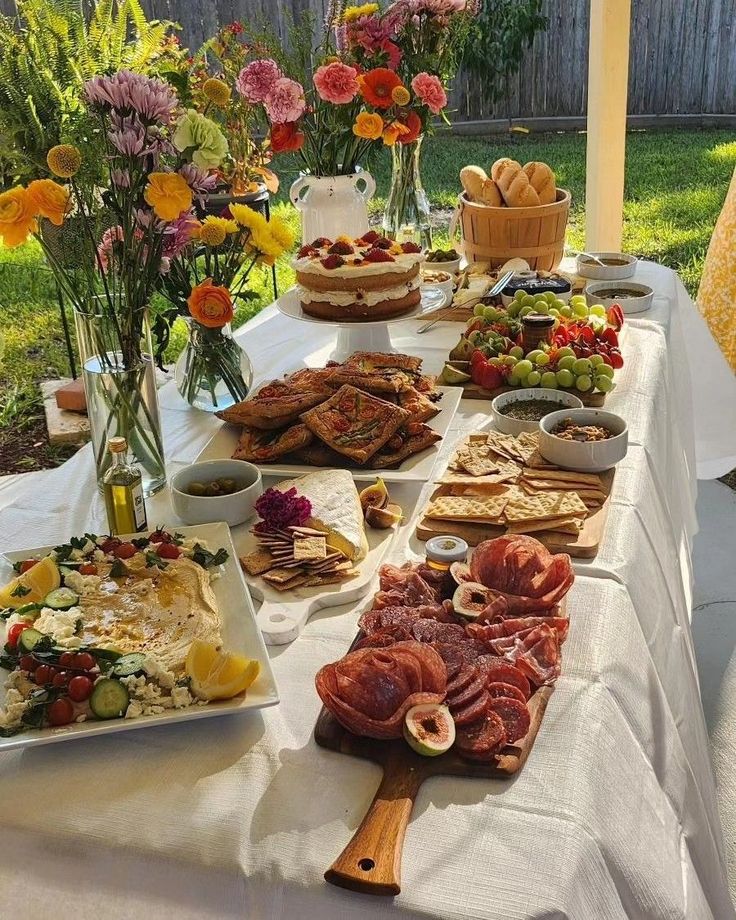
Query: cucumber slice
{"points": [[106, 654], [109, 699], [28, 639], [128, 664], [61, 599]]}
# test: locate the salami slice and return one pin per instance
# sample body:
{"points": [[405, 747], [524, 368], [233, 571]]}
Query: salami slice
{"points": [[473, 711], [514, 715], [466, 674], [434, 631], [383, 638], [482, 739], [473, 690], [498, 689], [508, 674], [452, 657]]}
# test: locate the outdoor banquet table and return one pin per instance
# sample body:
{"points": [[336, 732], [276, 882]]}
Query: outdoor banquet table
{"points": [[614, 814]]}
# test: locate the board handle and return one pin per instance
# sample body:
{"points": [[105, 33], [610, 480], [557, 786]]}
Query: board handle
{"points": [[371, 862]]}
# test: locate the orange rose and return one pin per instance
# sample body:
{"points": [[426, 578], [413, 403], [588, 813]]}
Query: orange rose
{"points": [[210, 305], [168, 194], [368, 125], [49, 199], [17, 219]]}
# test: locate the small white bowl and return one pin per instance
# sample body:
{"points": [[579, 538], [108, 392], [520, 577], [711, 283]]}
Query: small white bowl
{"points": [[207, 509], [639, 300], [516, 426], [447, 287], [588, 269], [585, 456], [453, 267]]}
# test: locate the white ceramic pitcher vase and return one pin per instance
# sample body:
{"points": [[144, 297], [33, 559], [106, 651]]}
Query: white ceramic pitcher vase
{"points": [[333, 205]]}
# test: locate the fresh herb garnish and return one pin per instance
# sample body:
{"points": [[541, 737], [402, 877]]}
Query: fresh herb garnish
{"points": [[140, 542], [118, 569], [78, 626], [207, 559], [153, 559], [20, 591]]}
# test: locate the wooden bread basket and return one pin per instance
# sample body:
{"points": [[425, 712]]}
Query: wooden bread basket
{"points": [[495, 235]]}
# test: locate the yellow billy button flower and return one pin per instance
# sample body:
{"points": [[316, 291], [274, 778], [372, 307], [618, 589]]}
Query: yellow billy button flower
{"points": [[17, 218], [168, 194], [64, 160], [217, 91], [400, 95]]}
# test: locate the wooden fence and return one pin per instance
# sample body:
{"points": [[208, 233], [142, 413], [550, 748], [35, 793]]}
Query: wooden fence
{"points": [[683, 55]]}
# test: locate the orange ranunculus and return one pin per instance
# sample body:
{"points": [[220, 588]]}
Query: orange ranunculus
{"points": [[168, 194], [368, 125], [210, 305], [17, 219], [49, 199], [377, 85], [413, 124], [286, 137], [393, 133]]}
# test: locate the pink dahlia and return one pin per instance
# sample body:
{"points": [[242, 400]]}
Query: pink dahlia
{"points": [[285, 101], [336, 82], [256, 79], [430, 91]]}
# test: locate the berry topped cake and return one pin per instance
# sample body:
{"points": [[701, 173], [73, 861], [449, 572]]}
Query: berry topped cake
{"points": [[369, 278]]}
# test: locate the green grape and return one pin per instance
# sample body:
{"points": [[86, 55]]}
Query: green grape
{"points": [[541, 307], [527, 300], [565, 377], [581, 366], [603, 383], [566, 362], [533, 379], [550, 297], [598, 310], [513, 308], [517, 352], [583, 383], [525, 311], [513, 380], [580, 309], [542, 360], [510, 360], [553, 311], [559, 304], [565, 351], [577, 298], [595, 360], [478, 309], [549, 380], [497, 362], [605, 369], [524, 367], [533, 355], [519, 295], [566, 312]]}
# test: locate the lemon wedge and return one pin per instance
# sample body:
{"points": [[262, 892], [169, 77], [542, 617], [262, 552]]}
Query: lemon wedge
{"points": [[216, 675], [32, 586]]}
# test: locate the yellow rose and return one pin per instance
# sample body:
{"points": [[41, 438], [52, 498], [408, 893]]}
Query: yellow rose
{"points": [[368, 125], [17, 219], [168, 194], [64, 160], [49, 199]]}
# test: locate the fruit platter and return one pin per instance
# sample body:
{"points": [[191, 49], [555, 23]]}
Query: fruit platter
{"points": [[580, 352]]}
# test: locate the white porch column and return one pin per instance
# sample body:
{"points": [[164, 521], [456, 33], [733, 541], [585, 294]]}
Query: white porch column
{"points": [[608, 74]]}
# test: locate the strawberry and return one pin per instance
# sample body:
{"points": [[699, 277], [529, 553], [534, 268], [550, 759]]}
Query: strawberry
{"points": [[410, 247], [320, 242], [341, 248], [383, 243], [305, 251], [370, 237], [333, 261], [378, 255]]}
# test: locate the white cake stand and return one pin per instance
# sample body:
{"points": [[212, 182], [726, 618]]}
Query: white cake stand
{"points": [[362, 336]]}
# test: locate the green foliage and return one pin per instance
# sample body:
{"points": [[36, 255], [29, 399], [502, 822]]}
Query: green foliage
{"points": [[46, 54], [501, 34]]}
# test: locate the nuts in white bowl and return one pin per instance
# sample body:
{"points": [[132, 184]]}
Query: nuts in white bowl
{"points": [[588, 440], [509, 408], [239, 486]]}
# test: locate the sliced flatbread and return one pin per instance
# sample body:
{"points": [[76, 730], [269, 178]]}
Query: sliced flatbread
{"points": [[544, 506], [466, 508]]}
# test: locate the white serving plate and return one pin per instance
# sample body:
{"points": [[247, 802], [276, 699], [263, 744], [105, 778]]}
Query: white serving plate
{"points": [[240, 634], [415, 469]]}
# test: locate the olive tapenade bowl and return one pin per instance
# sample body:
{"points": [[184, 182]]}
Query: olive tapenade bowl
{"points": [[516, 426]]}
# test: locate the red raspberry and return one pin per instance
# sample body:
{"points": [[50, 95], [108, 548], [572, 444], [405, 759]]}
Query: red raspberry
{"points": [[320, 242], [378, 255], [305, 251], [370, 237], [333, 261], [341, 248], [410, 247], [383, 243]]}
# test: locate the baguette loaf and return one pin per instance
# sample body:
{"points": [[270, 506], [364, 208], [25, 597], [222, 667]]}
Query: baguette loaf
{"points": [[479, 187], [514, 185], [542, 180]]}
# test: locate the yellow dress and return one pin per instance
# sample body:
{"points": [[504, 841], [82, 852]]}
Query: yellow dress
{"points": [[717, 292]]}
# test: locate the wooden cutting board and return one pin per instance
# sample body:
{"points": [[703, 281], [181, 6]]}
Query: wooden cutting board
{"points": [[371, 862], [583, 545]]}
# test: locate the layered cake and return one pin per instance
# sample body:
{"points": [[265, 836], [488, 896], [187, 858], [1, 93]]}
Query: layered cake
{"points": [[370, 278]]}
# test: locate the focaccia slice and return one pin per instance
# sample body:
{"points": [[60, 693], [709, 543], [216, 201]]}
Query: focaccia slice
{"points": [[415, 438], [274, 405], [354, 423], [421, 407], [258, 446]]}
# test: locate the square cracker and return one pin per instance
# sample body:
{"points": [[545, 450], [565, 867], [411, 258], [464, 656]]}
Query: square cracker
{"points": [[561, 525], [257, 562], [278, 577], [310, 548], [489, 508], [544, 506], [557, 475]]}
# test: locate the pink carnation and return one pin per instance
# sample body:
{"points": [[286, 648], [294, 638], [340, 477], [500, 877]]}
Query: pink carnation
{"points": [[285, 101], [430, 91], [336, 82], [256, 79]]}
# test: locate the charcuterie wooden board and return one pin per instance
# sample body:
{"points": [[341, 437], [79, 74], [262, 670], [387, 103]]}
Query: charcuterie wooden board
{"points": [[371, 862]]}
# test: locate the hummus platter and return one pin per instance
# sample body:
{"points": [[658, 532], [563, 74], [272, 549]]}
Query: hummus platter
{"points": [[106, 634]]}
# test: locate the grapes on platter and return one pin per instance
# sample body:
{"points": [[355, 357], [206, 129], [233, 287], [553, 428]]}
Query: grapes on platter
{"points": [[565, 377], [534, 355], [513, 379], [581, 366], [527, 300], [541, 306], [604, 370], [580, 309], [553, 311], [517, 352], [533, 379], [603, 383], [479, 309], [559, 303], [524, 367], [566, 311], [526, 310], [565, 351], [519, 295], [566, 363], [598, 310], [583, 383], [542, 360], [549, 380], [510, 360], [577, 298], [595, 360], [550, 297]]}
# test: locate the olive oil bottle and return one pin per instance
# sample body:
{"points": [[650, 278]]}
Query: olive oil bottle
{"points": [[121, 484]]}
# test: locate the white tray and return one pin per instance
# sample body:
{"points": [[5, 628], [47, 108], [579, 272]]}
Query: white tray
{"points": [[417, 468], [239, 633]]}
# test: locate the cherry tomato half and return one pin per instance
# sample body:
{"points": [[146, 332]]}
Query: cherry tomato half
{"points": [[83, 661], [168, 551], [27, 564], [88, 568], [60, 679], [14, 633], [124, 551], [61, 711], [28, 663], [42, 675], [109, 545], [66, 659], [80, 688]]}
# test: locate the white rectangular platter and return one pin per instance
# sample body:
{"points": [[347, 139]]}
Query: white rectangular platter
{"points": [[239, 633], [414, 469]]}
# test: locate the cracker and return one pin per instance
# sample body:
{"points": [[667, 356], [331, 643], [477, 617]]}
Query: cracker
{"points": [[544, 506], [502, 444], [591, 479], [279, 576], [310, 548], [561, 525], [477, 465], [257, 562], [296, 581], [465, 508], [327, 578]]}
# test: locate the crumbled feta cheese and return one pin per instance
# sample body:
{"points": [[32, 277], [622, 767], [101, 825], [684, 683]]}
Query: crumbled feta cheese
{"points": [[82, 717], [99, 556], [13, 696], [60, 625], [155, 670], [18, 680], [153, 710], [82, 584], [18, 618], [134, 710], [181, 697]]}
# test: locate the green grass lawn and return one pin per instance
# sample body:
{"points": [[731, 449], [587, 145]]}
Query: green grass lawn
{"points": [[675, 185]]}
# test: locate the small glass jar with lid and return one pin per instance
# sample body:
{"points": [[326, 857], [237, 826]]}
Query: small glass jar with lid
{"points": [[536, 331], [443, 550]]}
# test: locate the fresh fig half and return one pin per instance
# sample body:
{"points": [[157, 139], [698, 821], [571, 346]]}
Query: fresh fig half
{"points": [[470, 599], [460, 571], [383, 518], [429, 729], [375, 496]]}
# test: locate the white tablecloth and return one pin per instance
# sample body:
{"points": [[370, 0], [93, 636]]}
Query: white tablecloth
{"points": [[613, 816]]}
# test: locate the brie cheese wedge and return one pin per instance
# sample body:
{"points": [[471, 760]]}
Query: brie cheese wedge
{"points": [[336, 510]]}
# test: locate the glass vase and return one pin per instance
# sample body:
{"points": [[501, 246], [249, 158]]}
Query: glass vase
{"points": [[406, 216], [119, 375], [212, 372]]}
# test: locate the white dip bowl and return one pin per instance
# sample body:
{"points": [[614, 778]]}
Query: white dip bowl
{"points": [[233, 508], [516, 426], [586, 268], [585, 456], [637, 297]]}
